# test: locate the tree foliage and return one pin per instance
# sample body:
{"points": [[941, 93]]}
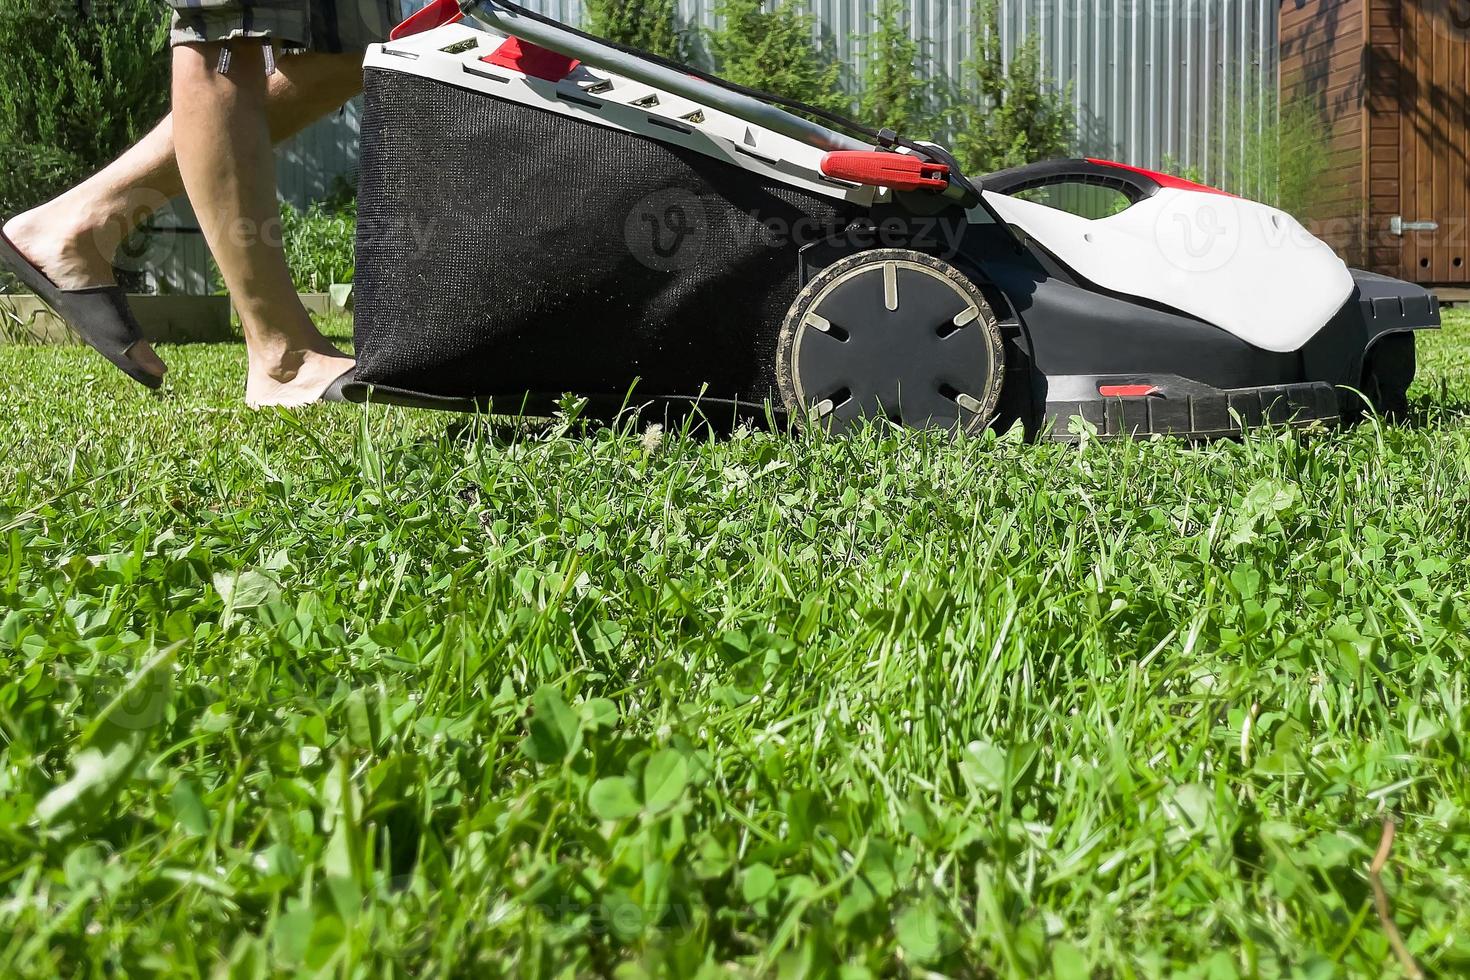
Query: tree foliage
{"points": [[1269, 151], [772, 46], [894, 87], [1008, 114], [1287, 149], [650, 25], [1000, 114], [79, 83]]}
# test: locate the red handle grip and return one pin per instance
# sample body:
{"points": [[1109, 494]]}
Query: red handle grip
{"points": [[899, 171]]}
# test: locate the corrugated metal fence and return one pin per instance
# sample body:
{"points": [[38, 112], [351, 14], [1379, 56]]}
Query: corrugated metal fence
{"points": [[1154, 83]]}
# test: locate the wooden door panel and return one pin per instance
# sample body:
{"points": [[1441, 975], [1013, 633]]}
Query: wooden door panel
{"points": [[1434, 130]]}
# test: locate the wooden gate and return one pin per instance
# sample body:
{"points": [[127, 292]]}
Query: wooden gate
{"points": [[1431, 221]]}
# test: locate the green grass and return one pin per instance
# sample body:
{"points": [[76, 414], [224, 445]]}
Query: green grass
{"points": [[376, 693]]}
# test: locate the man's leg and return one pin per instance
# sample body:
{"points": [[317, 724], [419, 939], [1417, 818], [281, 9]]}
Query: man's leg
{"points": [[222, 140], [73, 238]]}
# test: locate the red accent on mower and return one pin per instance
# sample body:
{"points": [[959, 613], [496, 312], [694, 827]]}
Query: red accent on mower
{"points": [[877, 169], [529, 59], [1163, 180], [436, 14], [1129, 391]]}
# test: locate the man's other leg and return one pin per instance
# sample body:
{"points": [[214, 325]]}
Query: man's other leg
{"points": [[222, 140], [73, 238]]}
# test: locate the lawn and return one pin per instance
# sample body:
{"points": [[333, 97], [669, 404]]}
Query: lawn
{"points": [[389, 692]]}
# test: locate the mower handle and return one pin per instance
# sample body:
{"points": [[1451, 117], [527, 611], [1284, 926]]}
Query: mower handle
{"points": [[512, 20], [590, 51]]}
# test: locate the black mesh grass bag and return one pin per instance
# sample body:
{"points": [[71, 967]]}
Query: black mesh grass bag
{"points": [[505, 251]]}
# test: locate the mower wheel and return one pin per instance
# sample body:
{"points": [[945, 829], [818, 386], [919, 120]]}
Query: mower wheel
{"points": [[1388, 371], [895, 334]]}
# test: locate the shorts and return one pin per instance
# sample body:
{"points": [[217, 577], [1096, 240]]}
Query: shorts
{"points": [[333, 26]]}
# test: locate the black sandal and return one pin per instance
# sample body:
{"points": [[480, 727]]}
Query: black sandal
{"points": [[99, 314], [334, 392]]}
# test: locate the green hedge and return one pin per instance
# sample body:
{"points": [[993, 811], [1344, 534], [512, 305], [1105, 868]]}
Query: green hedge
{"points": [[319, 242], [79, 83], [650, 25]]}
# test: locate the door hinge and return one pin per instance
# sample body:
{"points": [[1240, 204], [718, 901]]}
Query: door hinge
{"points": [[1397, 225]]}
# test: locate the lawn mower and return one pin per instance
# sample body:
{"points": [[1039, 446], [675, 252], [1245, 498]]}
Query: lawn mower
{"points": [[542, 212]]}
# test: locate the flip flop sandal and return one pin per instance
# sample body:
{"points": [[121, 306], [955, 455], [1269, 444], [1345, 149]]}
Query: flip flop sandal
{"points": [[334, 392], [99, 314]]}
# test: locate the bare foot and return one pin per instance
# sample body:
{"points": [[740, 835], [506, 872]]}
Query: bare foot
{"points": [[294, 378], [61, 246], [66, 250]]}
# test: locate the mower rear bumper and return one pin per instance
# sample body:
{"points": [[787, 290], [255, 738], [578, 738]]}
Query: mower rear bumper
{"points": [[1379, 307], [1334, 365]]}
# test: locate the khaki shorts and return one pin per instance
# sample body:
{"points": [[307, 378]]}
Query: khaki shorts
{"points": [[333, 26]]}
